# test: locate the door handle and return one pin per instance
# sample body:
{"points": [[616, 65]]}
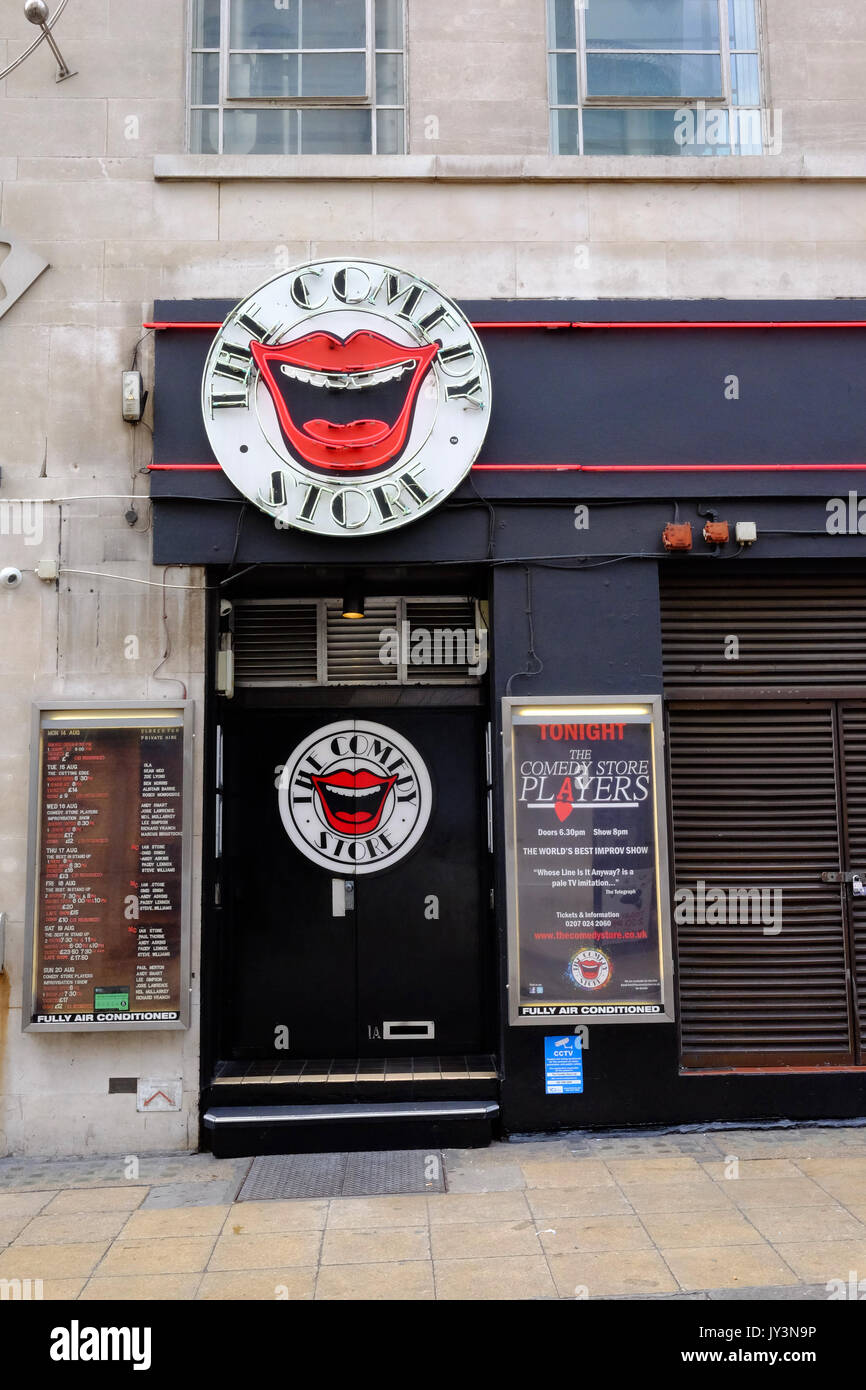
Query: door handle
{"points": [[342, 896]]}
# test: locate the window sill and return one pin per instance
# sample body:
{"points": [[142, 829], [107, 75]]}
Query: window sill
{"points": [[505, 168]]}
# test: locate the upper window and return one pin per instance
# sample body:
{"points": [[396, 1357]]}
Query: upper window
{"points": [[297, 77], [668, 77]]}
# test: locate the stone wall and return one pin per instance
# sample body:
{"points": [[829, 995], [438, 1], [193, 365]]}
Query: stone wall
{"points": [[482, 210]]}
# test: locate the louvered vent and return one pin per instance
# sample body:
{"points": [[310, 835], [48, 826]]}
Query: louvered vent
{"points": [[791, 630], [286, 642], [443, 643], [276, 643], [354, 645], [754, 800]]}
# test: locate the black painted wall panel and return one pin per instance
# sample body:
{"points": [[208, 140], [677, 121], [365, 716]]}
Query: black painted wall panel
{"points": [[598, 632], [607, 396], [604, 397]]}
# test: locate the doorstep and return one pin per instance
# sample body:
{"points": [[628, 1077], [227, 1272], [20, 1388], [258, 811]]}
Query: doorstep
{"points": [[331, 1080], [234, 1131]]}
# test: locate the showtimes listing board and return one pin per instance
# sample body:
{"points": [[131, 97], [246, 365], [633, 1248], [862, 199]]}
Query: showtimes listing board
{"points": [[589, 934], [110, 925]]}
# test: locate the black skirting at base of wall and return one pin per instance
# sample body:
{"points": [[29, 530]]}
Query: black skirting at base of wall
{"points": [[632, 1078]]}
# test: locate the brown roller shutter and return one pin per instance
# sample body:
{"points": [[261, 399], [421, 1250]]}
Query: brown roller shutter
{"points": [[754, 803], [794, 629], [853, 718], [768, 790]]}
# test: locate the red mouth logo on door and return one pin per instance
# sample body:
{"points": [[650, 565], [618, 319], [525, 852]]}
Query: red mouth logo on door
{"points": [[344, 405], [355, 797], [353, 802]]}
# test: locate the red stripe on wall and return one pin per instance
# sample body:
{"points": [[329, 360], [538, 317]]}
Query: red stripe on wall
{"points": [[162, 324], [592, 467]]}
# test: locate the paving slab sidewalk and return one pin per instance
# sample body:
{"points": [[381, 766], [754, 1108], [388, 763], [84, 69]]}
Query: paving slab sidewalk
{"points": [[761, 1214]]}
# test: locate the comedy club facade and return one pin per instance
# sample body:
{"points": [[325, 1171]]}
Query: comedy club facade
{"points": [[455, 703], [534, 709]]}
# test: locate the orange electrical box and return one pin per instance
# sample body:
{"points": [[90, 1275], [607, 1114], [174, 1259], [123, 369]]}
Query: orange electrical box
{"points": [[677, 536]]}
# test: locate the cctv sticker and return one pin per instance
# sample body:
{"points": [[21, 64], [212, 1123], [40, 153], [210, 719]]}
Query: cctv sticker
{"points": [[346, 398]]}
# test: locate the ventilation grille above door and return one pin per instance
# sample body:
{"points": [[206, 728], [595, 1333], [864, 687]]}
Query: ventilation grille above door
{"points": [[754, 629], [276, 643], [446, 640], [355, 646], [294, 642]]}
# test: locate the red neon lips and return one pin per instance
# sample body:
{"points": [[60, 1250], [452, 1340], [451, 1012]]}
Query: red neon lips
{"points": [[589, 969], [353, 802], [344, 406]]}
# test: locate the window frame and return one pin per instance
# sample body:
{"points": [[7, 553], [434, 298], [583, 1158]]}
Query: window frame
{"points": [[298, 104], [226, 53], [586, 101]]}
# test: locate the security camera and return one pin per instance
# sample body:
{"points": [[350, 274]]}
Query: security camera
{"points": [[10, 577]]}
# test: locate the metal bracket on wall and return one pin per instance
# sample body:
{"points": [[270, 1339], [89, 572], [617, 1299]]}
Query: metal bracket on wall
{"points": [[225, 665], [853, 876], [18, 270], [2, 942], [37, 12]]}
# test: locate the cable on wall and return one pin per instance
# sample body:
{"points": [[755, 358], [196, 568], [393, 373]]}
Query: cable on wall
{"points": [[534, 665]]}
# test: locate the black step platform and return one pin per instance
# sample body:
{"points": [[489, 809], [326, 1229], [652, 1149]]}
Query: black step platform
{"points": [[238, 1131], [338, 1104]]}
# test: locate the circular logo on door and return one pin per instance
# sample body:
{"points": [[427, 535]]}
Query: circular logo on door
{"points": [[590, 969], [346, 398], [355, 797]]}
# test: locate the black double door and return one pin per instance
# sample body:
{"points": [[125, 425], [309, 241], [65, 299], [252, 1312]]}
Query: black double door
{"points": [[325, 961]]}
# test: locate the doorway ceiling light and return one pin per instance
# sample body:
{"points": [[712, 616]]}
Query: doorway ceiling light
{"points": [[353, 602]]}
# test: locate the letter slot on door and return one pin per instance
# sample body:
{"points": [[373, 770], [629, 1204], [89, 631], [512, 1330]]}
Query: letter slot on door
{"points": [[395, 1032]]}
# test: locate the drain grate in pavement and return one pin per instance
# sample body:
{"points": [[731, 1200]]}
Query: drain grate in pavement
{"points": [[277, 1177], [384, 1174], [283, 1177]]}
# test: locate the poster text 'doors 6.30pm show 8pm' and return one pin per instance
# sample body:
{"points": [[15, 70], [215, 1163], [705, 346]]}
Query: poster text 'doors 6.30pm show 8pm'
{"points": [[108, 901], [588, 912]]}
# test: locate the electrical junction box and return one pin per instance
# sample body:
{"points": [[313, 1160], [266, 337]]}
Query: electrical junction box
{"points": [[133, 404]]}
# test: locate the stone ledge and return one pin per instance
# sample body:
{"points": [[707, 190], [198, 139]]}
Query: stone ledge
{"points": [[504, 168]]}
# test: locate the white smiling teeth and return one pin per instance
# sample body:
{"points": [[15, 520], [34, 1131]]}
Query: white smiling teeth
{"points": [[352, 791], [347, 381], [299, 374]]}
